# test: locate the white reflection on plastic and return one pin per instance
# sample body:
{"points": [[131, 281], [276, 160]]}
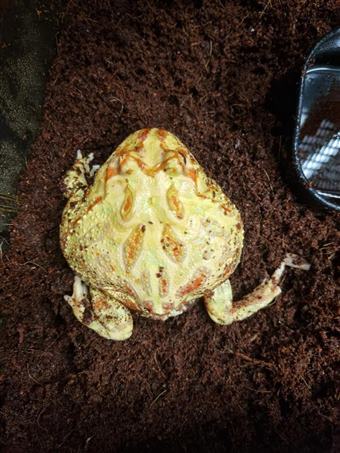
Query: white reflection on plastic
{"points": [[321, 165]]}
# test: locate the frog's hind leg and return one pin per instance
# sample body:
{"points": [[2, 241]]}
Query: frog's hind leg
{"points": [[75, 181], [106, 316], [222, 310]]}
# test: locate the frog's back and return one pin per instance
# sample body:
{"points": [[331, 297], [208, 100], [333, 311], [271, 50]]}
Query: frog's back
{"points": [[154, 228]]}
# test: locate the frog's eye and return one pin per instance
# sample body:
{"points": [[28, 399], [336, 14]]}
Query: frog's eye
{"points": [[171, 169], [174, 202], [127, 205]]}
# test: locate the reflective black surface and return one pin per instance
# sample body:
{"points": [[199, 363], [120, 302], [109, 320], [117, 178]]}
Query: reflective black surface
{"points": [[317, 139]]}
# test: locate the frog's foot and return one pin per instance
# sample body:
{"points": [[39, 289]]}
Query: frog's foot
{"points": [[106, 316], [75, 181], [219, 302]]}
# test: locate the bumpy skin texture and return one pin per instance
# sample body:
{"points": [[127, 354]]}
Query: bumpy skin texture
{"points": [[153, 231], [152, 234]]}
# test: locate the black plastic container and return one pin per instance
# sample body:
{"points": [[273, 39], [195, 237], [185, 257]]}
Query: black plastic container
{"points": [[317, 135]]}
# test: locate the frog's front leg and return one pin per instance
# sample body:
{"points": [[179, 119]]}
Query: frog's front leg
{"points": [[75, 181], [105, 315], [222, 310]]}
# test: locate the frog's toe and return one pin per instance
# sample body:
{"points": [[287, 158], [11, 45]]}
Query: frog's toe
{"points": [[106, 316], [75, 182], [222, 310], [79, 298]]}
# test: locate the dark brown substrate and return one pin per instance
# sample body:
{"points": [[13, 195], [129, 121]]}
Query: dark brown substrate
{"points": [[222, 75]]}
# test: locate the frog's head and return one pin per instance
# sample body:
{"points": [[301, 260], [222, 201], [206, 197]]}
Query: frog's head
{"points": [[155, 150]]}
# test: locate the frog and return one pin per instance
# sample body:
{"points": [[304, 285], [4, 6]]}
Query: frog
{"points": [[149, 233]]}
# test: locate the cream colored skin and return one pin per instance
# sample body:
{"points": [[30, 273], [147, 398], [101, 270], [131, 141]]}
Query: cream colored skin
{"points": [[152, 234]]}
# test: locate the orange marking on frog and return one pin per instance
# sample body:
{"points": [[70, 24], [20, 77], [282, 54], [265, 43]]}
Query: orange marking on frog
{"points": [[149, 307], [174, 203], [126, 155], [94, 203], [133, 246], [139, 147], [178, 206], [192, 174], [201, 195], [125, 159], [172, 247], [143, 133], [110, 171], [121, 151], [130, 304], [180, 154], [151, 171], [126, 208], [227, 209], [99, 304], [193, 284], [127, 204], [227, 271], [163, 286], [165, 148], [162, 134], [168, 307]]}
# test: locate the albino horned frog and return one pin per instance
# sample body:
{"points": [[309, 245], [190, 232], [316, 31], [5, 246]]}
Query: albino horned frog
{"points": [[151, 235]]}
